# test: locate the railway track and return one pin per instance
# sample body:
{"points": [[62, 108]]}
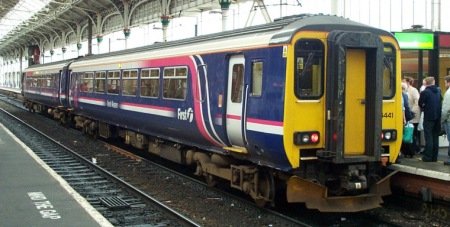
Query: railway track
{"points": [[199, 202], [203, 204], [120, 202]]}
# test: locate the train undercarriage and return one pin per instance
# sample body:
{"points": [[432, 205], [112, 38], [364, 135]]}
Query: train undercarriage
{"points": [[323, 186]]}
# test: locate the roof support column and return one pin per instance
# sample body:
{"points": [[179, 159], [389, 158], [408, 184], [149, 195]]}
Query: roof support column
{"points": [[165, 20], [225, 5], [126, 19], [63, 43], [79, 45], [99, 31]]}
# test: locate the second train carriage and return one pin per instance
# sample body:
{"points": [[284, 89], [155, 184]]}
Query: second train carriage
{"points": [[308, 101]]}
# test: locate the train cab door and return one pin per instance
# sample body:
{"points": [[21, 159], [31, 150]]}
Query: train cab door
{"points": [[235, 100], [354, 96]]}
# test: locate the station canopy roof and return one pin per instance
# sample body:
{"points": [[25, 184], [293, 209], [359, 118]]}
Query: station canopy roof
{"points": [[21, 20]]}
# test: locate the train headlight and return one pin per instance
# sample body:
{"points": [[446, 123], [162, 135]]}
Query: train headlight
{"points": [[309, 137], [389, 135], [305, 138]]}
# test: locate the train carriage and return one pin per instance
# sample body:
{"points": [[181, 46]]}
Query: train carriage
{"points": [[43, 86], [307, 104]]}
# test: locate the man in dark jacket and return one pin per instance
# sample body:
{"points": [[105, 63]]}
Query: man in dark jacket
{"points": [[430, 103]]}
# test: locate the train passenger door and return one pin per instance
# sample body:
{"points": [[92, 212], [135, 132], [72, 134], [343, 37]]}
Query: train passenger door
{"points": [[60, 89], [354, 96], [355, 108], [235, 100]]}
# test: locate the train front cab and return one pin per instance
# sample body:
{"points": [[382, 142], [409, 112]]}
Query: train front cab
{"points": [[343, 83]]}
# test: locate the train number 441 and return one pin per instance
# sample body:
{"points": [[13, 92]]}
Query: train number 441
{"points": [[388, 115]]}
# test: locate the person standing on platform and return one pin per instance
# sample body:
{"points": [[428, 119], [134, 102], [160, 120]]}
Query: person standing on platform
{"points": [[445, 115], [406, 148], [413, 99], [430, 103]]}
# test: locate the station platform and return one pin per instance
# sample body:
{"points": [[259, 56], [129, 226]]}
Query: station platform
{"points": [[34, 195], [10, 89], [424, 179]]}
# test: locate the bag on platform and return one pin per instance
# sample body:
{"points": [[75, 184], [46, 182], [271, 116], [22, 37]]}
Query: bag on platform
{"points": [[420, 126], [408, 131]]}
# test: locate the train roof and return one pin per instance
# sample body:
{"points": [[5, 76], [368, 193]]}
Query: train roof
{"points": [[56, 66], [278, 32], [281, 32], [320, 23]]}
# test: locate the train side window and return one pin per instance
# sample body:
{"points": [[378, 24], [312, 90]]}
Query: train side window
{"points": [[100, 78], [309, 64], [238, 83], [35, 81], [113, 82], [45, 81], [150, 83], [87, 84], [75, 81], [257, 74], [175, 83], [389, 72], [39, 81], [55, 80], [129, 80]]}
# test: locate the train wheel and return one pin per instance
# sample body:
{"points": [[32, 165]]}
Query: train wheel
{"points": [[211, 180], [85, 129], [266, 188]]}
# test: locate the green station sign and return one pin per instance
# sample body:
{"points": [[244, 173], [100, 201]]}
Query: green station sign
{"points": [[415, 41]]}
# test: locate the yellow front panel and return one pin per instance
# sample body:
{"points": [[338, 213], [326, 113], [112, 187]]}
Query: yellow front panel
{"points": [[392, 108], [355, 110], [301, 115]]}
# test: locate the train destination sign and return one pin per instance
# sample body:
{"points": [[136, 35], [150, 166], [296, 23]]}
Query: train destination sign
{"points": [[415, 41]]}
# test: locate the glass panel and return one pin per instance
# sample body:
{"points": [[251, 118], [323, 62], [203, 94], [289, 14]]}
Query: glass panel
{"points": [[130, 82], [113, 82], [54, 81], [444, 67], [150, 82], [100, 78], [88, 82], [237, 83], [257, 73], [175, 83], [309, 58], [388, 72]]}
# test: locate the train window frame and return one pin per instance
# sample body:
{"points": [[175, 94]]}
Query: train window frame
{"points": [[47, 81], [257, 79], [113, 76], [393, 65], [54, 81], [304, 59], [129, 82], [178, 89], [87, 86], [151, 89], [100, 82], [237, 84]]}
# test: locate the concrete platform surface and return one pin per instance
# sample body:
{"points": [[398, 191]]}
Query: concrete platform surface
{"points": [[32, 194]]}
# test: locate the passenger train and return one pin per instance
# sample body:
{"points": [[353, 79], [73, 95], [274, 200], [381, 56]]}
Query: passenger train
{"points": [[307, 107]]}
